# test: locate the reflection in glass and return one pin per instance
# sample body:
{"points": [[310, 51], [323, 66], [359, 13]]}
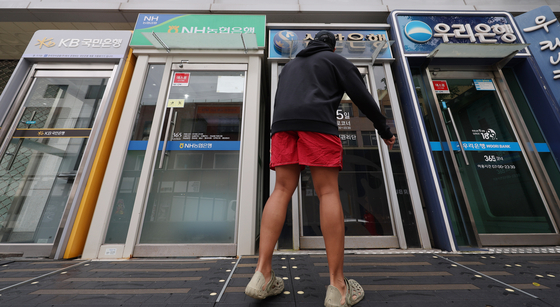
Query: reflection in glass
{"points": [[126, 192], [193, 196], [500, 187], [550, 164], [37, 171], [456, 206], [361, 182], [408, 218]]}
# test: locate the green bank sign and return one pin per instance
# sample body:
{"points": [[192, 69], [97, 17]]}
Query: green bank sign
{"points": [[170, 23]]}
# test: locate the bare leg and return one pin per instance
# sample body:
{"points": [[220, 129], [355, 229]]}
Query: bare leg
{"points": [[325, 181], [274, 215]]}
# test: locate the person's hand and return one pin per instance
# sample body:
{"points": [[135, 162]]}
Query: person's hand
{"points": [[390, 142]]}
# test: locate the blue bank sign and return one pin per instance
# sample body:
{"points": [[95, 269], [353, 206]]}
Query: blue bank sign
{"points": [[358, 43], [541, 29], [422, 32], [418, 31]]}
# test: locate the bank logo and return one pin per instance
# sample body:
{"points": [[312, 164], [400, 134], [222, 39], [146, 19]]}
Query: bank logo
{"points": [[490, 134], [418, 31], [47, 42], [285, 41]]}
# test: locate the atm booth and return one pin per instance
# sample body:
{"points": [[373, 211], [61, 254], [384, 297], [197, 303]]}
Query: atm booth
{"points": [[378, 187], [183, 176], [484, 150], [54, 114]]}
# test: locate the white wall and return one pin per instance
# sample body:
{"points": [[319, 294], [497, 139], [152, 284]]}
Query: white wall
{"points": [[280, 11]]}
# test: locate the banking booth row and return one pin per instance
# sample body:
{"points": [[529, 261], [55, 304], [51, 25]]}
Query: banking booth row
{"points": [[156, 143]]}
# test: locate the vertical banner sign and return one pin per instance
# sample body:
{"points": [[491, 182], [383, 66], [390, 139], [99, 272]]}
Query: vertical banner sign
{"points": [[542, 30]]}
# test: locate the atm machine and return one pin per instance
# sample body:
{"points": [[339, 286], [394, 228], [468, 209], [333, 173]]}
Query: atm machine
{"points": [[184, 169], [53, 113], [378, 188], [483, 151]]}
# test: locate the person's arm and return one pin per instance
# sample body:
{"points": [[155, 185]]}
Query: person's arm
{"points": [[357, 91]]}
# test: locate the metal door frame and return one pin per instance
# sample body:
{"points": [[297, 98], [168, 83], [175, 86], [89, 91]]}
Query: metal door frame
{"points": [[522, 135], [145, 179], [397, 240], [60, 70]]}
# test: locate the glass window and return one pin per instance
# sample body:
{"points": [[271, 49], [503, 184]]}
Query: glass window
{"points": [[38, 169], [397, 164], [361, 182], [547, 158], [126, 192], [193, 196]]}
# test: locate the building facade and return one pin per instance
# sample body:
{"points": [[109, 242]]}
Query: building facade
{"points": [[154, 142]]}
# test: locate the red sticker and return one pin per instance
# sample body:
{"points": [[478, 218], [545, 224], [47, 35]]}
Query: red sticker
{"points": [[181, 79], [440, 86]]}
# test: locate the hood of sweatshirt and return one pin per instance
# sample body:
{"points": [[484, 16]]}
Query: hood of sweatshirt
{"points": [[314, 47]]}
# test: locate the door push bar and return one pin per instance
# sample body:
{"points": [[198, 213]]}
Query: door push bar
{"points": [[456, 132]]}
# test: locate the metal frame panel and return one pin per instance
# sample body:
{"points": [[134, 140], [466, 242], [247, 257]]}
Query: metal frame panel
{"points": [[393, 241], [74, 73], [453, 158], [184, 250], [75, 66], [519, 239], [63, 71], [538, 170], [407, 160], [82, 175], [501, 90], [96, 235], [387, 169], [353, 242], [34, 250], [145, 178]]}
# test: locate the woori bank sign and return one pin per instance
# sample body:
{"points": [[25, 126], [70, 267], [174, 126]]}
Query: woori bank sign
{"points": [[421, 31]]}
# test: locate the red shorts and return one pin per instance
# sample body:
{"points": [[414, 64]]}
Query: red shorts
{"points": [[305, 148]]}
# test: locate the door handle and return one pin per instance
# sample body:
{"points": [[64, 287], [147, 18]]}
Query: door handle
{"points": [[170, 125], [456, 133]]}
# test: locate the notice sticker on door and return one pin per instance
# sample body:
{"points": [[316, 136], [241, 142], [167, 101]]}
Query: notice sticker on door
{"points": [[230, 84], [484, 85], [176, 103], [440, 86], [181, 79]]}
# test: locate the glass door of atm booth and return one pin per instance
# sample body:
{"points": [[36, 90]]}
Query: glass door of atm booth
{"points": [[380, 200], [186, 156], [497, 187], [43, 154]]}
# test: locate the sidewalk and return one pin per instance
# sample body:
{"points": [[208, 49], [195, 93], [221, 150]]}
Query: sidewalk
{"points": [[389, 278]]}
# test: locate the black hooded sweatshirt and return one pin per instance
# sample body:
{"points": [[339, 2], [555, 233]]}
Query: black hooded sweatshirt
{"points": [[310, 88]]}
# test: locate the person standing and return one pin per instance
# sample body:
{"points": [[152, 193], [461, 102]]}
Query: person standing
{"points": [[305, 133]]}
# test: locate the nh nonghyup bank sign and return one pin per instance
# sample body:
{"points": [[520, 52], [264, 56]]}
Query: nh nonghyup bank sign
{"points": [[420, 32]]}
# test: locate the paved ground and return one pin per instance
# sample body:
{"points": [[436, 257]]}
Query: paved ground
{"points": [[389, 279]]}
